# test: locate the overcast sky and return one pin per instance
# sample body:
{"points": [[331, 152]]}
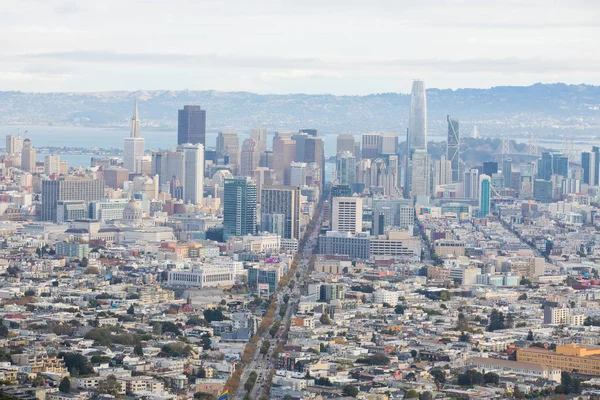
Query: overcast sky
{"points": [[288, 46]]}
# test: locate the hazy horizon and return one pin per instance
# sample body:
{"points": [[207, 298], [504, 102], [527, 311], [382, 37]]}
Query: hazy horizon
{"points": [[337, 47]]}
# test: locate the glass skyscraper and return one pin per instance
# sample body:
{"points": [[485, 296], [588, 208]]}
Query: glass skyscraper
{"points": [[239, 208], [191, 125], [485, 194]]}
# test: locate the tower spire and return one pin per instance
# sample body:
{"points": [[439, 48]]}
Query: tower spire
{"points": [[135, 122]]}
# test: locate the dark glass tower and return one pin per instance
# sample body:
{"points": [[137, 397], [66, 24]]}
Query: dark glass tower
{"points": [[454, 148], [191, 125]]}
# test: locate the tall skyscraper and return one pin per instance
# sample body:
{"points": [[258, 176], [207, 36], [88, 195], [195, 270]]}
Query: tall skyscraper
{"points": [[507, 172], [228, 148], [420, 173], [28, 156], [588, 162], [315, 153], [485, 195], [239, 208], [134, 146], [249, 158], [51, 164], [471, 184], [417, 120], [14, 144], [347, 214], [442, 171], [345, 142], [283, 200], [260, 137], [310, 132], [454, 148], [167, 164], [545, 166], [345, 168], [191, 125], [370, 145], [193, 173], [68, 189], [284, 151]]}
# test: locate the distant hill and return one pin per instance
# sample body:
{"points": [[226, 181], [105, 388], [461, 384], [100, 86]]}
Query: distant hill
{"points": [[549, 109]]}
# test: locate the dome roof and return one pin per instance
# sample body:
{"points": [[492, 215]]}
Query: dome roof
{"points": [[132, 211]]}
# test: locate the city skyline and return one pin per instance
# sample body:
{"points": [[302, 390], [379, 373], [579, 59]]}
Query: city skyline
{"points": [[63, 47]]}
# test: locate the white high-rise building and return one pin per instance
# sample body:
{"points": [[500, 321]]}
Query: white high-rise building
{"points": [[417, 120], [297, 174], [347, 214], [442, 171], [471, 184], [193, 173], [134, 146], [14, 144], [51, 164], [420, 173]]}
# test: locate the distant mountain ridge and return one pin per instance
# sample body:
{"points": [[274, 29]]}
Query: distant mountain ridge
{"points": [[552, 109]]}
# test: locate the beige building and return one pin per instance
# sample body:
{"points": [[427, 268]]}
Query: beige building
{"points": [[347, 214]]}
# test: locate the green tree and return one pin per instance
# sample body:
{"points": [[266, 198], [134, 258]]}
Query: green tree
{"points": [[523, 296], [109, 386], [350, 391], [65, 385], [264, 348], [496, 321], [84, 262], [439, 377], [410, 377], [324, 319], [411, 394], [517, 393], [213, 314], [138, 350], [3, 330], [77, 364], [530, 336], [470, 377], [206, 341], [399, 309], [463, 323], [131, 310], [491, 378], [464, 337], [426, 395]]}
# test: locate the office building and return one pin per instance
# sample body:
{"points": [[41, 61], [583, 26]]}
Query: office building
{"points": [[392, 214], [370, 145], [284, 200], [485, 195], [490, 168], [298, 173], [345, 143], [239, 208], [28, 157], [284, 152], [356, 246], [471, 184], [259, 135], [228, 150], [560, 165], [205, 276], [345, 168], [263, 176], [71, 210], [542, 190], [310, 132], [315, 153], [588, 163], [388, 143], [507, 172], [51, 164], [167, 165], [107, 209], [193, 173], [249, 158], [562, 315], [453, 153], [134, 146], [191, 125], [264, 276], [115, 177], [417, 119], [68, 189], [347, 213], [420, 173], [14, 144], [442, 171]]}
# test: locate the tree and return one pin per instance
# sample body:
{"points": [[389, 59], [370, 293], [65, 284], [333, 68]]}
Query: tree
{"points": [[322, 348], [324, 319], [84, 262], [530, 336], [496, 321], [517, 394], [464, 337], [77, 364], [411, 394], [350, 391], [138, 350], [131, 310], [29, 293], [426, 395], [510, 321], [414, 353], [91, 270], [410, 377], [3, 330], [206, 341], [470, 377], [213, 314], [65, 385], [491, 378], [523, 296], [439, 377], [568, 384], [399, 309], [264, 348], [109, 386], [323, 382], [463, 323]]}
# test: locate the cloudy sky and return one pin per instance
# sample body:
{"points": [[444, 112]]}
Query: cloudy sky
{"points": [[285, 46]]}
